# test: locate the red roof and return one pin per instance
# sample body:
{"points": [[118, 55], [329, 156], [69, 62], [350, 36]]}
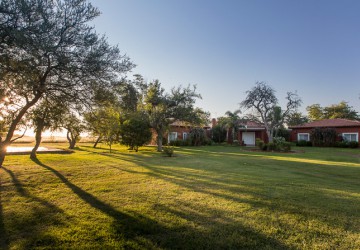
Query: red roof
{"points": [[329, 123], [251, 125]]}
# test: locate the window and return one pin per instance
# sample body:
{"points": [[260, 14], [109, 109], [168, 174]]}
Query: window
{"points": [[185, 136], [303, 137], [350, 136], [172, 136]]}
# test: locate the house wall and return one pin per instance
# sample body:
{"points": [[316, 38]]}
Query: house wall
{"points": [[261, 134], [180, 130], [339, 131]]}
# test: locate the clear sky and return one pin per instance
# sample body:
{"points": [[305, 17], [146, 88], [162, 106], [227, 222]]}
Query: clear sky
{"points": [[225, 46]]}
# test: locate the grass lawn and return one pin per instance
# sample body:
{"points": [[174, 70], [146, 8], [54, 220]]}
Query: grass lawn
{"points": [[203, 198]]}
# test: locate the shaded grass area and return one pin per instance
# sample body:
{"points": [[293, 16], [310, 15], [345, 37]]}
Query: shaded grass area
{"points": [[203, 198]]}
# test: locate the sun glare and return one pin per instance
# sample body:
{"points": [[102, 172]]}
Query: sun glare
{"points": [[11, 149]]}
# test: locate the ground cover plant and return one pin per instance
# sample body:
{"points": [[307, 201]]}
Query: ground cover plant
{"points": [[202, 198]]}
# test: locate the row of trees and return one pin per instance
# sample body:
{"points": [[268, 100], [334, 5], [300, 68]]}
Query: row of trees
{"points": [[56, 71], [261, 105]]}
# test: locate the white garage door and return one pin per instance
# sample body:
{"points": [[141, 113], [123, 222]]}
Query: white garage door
{"points": [[249, 138]]}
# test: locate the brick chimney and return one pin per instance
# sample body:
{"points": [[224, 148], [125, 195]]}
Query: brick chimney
{"points": [[213, 122]]}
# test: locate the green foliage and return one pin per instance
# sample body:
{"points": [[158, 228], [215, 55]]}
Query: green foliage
{"points": [[303, 143], [323, 137], [282, 132], [163, 108], [74, 127], [347, 144], [262, 99], [261, 144], [271, 146], [353, 144], [286, 146], [334, 111], [198, 137], [50, 49], [135, 132], [218, 133], [168, 151], [179, 143], [296, 118], [231, 123]]}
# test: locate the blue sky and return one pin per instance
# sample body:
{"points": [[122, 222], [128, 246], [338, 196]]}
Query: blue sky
{"points": [[224, 47]]}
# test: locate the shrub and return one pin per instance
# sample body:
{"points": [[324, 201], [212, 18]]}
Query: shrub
{"points": [[341, 144], [301, 143], [282, 132], [323, 137], [218, 134], [281, 144], [176, 143], [198, 137], [260, 144], [168, 150], [271, 146], [286, 147], [353, 144]]}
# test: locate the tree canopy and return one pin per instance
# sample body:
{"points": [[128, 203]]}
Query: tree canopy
{"points": [[164, 108], [263, 101], [48, 47], [341, 110]]}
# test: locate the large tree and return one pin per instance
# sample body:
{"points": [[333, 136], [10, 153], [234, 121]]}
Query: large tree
{"points": [[232, 120], [135, 131], [334, 111], [164, 108], [296, 118], [46, 115], [263, 101], [48, 47]]}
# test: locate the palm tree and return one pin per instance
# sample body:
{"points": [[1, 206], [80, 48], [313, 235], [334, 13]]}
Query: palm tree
{"points": [[232, 123]]}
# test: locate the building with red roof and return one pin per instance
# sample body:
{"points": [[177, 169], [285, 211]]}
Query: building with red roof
{"points": [[346, 129]]}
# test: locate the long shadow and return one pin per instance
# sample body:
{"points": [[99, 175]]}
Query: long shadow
{"points": [[261, 199], [29, 223], [134, 227], [4, 244], [124, 224]]}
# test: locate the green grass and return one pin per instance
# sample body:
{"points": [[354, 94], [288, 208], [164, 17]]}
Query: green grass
{"points": [[203, 198]]}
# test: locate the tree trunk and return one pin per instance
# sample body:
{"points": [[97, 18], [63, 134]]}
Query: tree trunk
{"points": [[72, 144], [3, 146], [72, 139], [159, 142], [269, 134], [37, 141], [13, 125], [97, 141]]}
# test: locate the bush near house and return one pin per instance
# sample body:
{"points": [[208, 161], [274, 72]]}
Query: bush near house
{"points": [[323, 137], [347, 144], [279, 144], [303, 143], [168, 150]]}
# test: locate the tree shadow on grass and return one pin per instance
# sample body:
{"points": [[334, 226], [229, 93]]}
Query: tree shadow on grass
{"points": [[141, 232], [130, 226], [270, 194], [4, 244], [29, 229]]}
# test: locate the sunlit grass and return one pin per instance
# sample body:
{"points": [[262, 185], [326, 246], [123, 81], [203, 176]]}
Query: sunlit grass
{"points": [[203, 198]]}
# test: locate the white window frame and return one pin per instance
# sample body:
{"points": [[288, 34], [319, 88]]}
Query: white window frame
{"points": [[351, 133], [299, 134], [172, 133], [185, 136]]}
